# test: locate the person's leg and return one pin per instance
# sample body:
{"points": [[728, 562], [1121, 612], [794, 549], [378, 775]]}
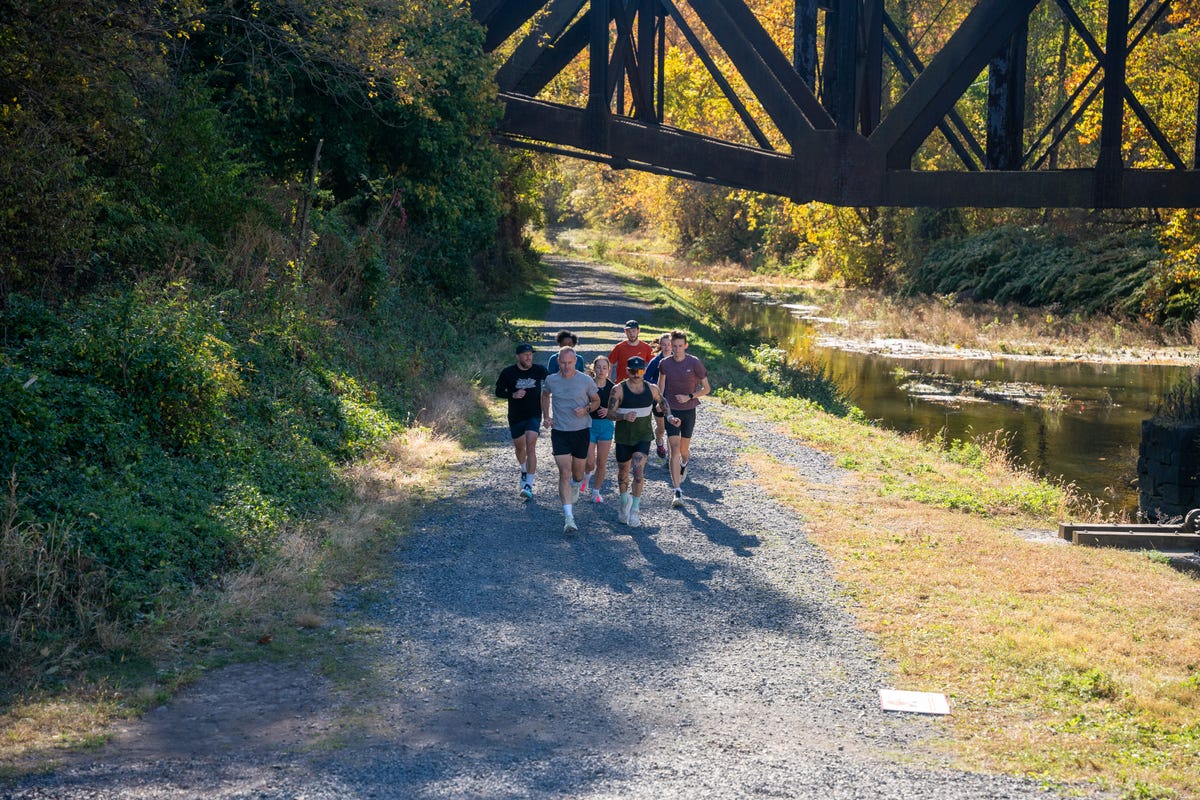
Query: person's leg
{"points": [[639, 472], [590, 466], [687, 424], [624, 461], [566, 491], [685, 447], [673, 455], [531, 438], [517, 430], [600, 467]]}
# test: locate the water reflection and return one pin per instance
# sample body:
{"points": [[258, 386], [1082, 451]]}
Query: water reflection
{"points": [[1090, 440]]}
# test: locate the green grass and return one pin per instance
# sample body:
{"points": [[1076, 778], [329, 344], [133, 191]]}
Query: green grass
{"points": [[1069, 664]]}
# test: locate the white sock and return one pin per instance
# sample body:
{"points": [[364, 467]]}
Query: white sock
{"points": [[568, 510]]}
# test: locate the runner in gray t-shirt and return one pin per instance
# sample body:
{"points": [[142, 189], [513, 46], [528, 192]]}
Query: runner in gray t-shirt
{"points": [[572, 396]]}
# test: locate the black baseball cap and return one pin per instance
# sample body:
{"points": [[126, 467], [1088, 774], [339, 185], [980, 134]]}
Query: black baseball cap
{"points": [[637, 362], [524, 348], [632, 323]]}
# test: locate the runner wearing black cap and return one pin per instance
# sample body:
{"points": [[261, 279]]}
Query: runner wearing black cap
{"points": [[627, 348], [630, 405], [521, 385]]}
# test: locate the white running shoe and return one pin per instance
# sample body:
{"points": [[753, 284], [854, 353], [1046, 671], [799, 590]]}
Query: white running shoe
{"points": [[597, 498], [635, 521], [623, 512], [677, 500], [527, 492], [569, 525]]}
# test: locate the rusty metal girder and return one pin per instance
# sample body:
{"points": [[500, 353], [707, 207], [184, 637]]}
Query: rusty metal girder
{"points": [[845, 147]]}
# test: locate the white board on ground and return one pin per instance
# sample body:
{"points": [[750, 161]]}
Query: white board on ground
{"points": [[916, 702]]}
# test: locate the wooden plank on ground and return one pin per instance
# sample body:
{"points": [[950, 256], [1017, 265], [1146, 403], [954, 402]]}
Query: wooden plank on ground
{"points": [[1140, 541]]}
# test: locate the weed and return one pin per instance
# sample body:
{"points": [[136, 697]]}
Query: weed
{"points": [[1181, 403]]}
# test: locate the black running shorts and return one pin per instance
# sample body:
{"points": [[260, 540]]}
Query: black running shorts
{"points": [[571, 443], [687, 423]]}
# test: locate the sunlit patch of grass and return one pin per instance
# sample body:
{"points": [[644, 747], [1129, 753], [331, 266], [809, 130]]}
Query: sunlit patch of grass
{"points": [[977, 476], [1066, 663]]}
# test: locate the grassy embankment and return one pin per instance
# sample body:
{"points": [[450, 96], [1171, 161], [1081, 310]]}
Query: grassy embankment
{"points": [[304, 476], [1065, 663]]}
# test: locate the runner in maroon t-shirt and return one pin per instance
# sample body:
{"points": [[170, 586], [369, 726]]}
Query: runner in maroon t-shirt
{"points": [[682, 380]]}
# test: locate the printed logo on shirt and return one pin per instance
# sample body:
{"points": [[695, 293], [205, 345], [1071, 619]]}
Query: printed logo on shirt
{"points": [[526, 383]]}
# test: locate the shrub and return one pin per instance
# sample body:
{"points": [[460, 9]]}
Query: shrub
{"points": [[163, 352]]}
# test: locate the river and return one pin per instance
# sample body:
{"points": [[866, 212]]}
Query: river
{"points": [[1086, 434]]}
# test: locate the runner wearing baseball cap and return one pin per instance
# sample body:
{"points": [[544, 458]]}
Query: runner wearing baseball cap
{"points": [[521, 385], [627, 348], [630, 405]]}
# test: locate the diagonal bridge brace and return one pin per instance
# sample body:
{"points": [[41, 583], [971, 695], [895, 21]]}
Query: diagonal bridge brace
{"points": [[830, 162]]}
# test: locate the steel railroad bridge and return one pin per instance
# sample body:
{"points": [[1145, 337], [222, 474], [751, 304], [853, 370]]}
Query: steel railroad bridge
{"points": [[827, 135]]}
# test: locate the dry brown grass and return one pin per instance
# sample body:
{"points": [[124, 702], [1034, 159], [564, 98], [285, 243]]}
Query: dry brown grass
{"points": [[1063, 662], [998, 328]]}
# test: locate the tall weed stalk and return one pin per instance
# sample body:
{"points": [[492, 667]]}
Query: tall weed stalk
{"points": [[51, 594]]}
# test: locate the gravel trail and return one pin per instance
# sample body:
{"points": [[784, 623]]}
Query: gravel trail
{"points": [[708, 654]]}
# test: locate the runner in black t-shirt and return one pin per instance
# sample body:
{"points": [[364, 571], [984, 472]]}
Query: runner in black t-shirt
{"points": [[521, 385]]}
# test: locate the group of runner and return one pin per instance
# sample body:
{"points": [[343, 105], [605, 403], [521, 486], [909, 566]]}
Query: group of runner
{"points": [[623, 402]]}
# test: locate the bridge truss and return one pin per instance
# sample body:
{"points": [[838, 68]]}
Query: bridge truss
{"points": [[819, 125]]}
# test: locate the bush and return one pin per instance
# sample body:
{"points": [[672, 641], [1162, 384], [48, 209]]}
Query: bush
{"points": [[163, 352], [1038, 267]]}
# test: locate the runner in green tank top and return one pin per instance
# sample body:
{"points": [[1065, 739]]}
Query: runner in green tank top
{"points": [[631, 404]]}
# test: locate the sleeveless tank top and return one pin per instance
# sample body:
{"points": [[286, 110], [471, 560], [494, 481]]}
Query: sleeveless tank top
{"points": [[642, 428]]}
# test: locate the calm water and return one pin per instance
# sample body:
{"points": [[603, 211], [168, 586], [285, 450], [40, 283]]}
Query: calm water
{"points": [[1091, 442]]}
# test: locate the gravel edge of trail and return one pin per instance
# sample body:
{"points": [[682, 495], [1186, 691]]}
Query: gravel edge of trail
{"points": [[708, 654]]}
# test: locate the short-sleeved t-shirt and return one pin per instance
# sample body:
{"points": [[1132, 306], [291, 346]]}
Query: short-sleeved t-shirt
{"points": [[624, 351], [682, 377], [651, 375], [566, 395], [513, 378]]}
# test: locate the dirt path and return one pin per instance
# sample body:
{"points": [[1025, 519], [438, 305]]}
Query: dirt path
{"points": [[708, 654]]}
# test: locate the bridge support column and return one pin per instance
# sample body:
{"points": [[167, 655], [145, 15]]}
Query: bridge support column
{"points": [[598, 105], [648, 14], [1110, 164], [841, 62], [804, 41], [1006, 104]]}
